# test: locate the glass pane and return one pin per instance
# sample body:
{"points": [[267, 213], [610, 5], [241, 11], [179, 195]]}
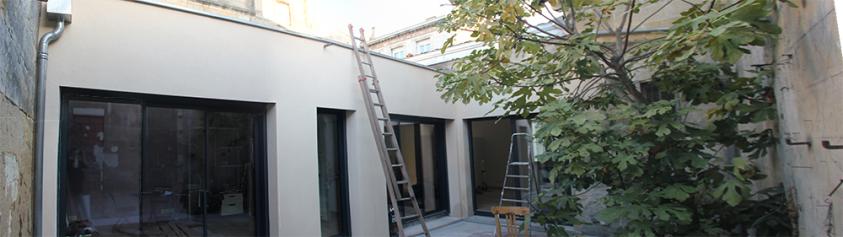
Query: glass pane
{"points": [[420, 149], [174, 172], [427, 146], [102, 164], [231, 178], [407, 143], [330, 202]]}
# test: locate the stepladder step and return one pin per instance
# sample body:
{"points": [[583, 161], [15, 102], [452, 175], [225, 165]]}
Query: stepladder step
{"points": [[516, 188], [513, 200]]}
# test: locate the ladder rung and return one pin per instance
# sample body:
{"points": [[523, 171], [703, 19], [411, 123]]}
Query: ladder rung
{"points": [[403, 182], [391, 148], [387, 134], [517, 176], [383, 119], [369, 76], [519, 163], [373, 91], [513, 200], [377, 104], [410, 216], [404, 199], [367, 63], [517, 188], [397, 165]]}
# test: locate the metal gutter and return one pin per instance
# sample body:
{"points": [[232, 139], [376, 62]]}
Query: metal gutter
{"points": [[44, 44], [276, 29]]}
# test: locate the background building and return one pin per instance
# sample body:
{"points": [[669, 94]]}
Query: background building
{"points": [[422, 43], [289, 14], [19, 26]]}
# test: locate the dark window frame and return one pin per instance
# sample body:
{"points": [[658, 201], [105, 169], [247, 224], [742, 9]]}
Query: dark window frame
{"points": [[471, 159], [150, 100], [342, 142], [443, 197]]}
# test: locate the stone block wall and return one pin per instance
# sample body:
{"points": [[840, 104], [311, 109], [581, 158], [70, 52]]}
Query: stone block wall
{"points": [[18, 38], [809, 82]]}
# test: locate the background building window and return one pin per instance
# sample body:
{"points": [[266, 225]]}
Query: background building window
{"points": [[278, 11], [398, 52], [424, 46]]}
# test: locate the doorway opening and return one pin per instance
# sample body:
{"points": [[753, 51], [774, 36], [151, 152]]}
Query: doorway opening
{"points": [[489, 140]]}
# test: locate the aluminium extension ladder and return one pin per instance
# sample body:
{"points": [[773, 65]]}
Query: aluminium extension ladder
{"points": [[399, 187], [514, 172]]}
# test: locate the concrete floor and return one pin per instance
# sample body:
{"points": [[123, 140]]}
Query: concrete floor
{"points": [[475, 226]]}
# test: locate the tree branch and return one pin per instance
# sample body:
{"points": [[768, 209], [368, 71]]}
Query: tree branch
{"points": [[628, 28], [651, 15]]}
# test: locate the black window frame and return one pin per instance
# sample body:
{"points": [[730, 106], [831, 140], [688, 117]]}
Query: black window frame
{"points": [[443, 197], [166, 101], [342, 142], [511, 119]]}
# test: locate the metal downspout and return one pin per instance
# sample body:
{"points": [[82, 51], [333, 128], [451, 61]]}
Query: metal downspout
{"points": [[44, 44]]}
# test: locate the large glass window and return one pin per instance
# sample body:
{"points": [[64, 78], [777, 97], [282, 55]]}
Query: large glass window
{"points": [[135, 170], [333, 191], [102, 162], [422, 144]]}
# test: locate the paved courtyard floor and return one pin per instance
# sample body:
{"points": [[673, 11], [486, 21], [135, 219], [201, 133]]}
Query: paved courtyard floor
{"points": [[475, 226]]}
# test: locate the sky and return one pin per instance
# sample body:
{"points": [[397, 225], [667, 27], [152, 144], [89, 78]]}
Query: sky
{"points": [[331, 17]]}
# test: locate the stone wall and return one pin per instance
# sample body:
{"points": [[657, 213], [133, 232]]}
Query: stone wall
{"points": [[809, 81], [19, 27]]}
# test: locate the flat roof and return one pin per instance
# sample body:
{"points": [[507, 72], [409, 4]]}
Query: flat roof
{"points": [[278, 29]]}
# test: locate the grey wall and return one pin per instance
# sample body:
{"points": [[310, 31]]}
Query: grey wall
{"points": [[18, 36]]}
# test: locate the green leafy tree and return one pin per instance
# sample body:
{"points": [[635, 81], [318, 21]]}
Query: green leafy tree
{"points": [[580, 70]]}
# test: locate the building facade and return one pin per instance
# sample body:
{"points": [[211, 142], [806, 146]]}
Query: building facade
{"points": [[288, 14], [157, 122], [422, 43]]}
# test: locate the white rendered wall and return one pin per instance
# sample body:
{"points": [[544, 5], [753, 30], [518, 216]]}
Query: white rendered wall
{"points": [[132, 47]]}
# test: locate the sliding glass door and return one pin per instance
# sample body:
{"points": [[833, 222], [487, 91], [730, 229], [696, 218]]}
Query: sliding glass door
{"points": [[133, 166], [422, 144]]}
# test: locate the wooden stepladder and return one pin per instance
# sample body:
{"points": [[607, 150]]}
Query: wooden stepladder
{"points": [[399, 187]]}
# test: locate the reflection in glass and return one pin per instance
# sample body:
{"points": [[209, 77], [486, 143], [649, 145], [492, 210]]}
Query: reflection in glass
{"points": [[102, 166], [231, 206], [173, 172]]}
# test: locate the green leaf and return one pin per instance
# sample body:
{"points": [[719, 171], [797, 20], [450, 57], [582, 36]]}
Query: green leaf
{"points": [[677, 192], [448, 43], [611, 214], [663, 131], [729, 192]]}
